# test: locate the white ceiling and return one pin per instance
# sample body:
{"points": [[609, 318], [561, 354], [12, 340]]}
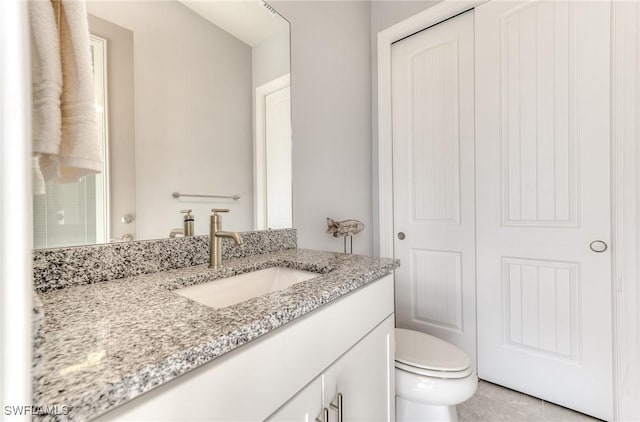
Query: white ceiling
{"points": [[247, 20]]}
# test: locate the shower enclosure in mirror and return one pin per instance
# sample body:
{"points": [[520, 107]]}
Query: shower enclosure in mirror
{"points": [[196, 101]]}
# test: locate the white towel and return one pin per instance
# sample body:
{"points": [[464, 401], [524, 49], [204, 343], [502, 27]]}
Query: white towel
{"points": [[80, 150], [66, 142], [46, 83]]}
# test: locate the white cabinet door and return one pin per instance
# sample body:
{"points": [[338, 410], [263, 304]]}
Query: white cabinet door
{"points": [[543, 189], [433, 181], [305, 406], [365, 378]]}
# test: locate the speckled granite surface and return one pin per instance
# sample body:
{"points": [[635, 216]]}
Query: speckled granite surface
{"points": [[64, 267], [106, 343], [37, 361]]}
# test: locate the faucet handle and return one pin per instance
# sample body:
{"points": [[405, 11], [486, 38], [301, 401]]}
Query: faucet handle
{"points": [[217, 210], [187, 218]]}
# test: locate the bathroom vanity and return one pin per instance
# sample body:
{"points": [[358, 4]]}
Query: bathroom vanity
{"points": [[293, 372], [131, 348]]}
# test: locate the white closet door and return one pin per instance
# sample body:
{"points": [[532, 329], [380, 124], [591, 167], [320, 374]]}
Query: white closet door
{"points": [[433, 181], [543, 196]]}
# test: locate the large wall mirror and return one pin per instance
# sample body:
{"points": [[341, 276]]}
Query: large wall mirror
{"points": [[192, 98]]}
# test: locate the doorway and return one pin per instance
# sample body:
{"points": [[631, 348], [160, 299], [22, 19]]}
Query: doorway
{"points": [[272, 151]]}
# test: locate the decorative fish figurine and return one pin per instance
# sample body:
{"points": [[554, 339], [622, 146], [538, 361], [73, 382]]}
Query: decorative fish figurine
{"points": [[344, 228]]}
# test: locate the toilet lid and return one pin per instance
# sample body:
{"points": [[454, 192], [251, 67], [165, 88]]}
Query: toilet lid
{"points": [[421, 350]]}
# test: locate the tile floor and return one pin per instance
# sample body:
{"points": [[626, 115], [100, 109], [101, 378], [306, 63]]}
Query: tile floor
{"points": [[493, 403]]}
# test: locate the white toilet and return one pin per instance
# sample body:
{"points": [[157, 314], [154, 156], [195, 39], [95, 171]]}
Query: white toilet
{"points": [[432, 377]]}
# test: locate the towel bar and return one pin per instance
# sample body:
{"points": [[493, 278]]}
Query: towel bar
{"points": [[177, 195]]}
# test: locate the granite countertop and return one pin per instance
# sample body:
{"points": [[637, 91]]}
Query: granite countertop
{"points": [[106, 343]]}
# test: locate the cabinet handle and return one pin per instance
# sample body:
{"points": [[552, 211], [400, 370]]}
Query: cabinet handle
{"points": [[338, 408], [325, 416]]}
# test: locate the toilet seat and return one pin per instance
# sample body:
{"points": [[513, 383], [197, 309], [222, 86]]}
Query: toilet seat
{"points": [[423, 354], [434, 374]]}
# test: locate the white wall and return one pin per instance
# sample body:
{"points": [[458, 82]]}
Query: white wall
{"points": [[331, 102], [387, 13], [271, 59], [16, 268], [194, 134], [332, 76]]}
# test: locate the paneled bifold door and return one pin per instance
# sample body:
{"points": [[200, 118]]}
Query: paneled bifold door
{"points": [[543, 196], [517, 217]]}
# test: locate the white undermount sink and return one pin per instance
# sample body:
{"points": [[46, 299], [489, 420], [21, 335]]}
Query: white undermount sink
{"points": [[231, 290]]}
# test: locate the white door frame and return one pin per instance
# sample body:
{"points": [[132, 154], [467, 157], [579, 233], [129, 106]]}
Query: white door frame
{"points": [[625, 185], [16, 288], [625, 179], [260, 151]]}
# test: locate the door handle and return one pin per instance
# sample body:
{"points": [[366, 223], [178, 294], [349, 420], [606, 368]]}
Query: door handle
{"points": [[598, 246], [325, 416], [338, 407], [401, 235]]}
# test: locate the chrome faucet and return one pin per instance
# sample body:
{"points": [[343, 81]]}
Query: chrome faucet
{"points": [[215, 238], [187, 226]]}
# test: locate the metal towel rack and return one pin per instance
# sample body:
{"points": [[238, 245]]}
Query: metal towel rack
{"points": [[177, 195]]}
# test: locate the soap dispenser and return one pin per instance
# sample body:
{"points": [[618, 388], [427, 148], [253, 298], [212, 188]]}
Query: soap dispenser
{"points": [[187, 225]]}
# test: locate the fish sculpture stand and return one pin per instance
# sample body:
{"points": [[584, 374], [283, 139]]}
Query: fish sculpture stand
{"points": [[345, 228]]}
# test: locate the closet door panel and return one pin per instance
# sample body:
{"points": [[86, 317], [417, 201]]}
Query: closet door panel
{"points": [[433, 171], [543, 197]]}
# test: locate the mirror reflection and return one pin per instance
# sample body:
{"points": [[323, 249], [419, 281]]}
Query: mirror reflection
{"points": [[193, 104]]}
